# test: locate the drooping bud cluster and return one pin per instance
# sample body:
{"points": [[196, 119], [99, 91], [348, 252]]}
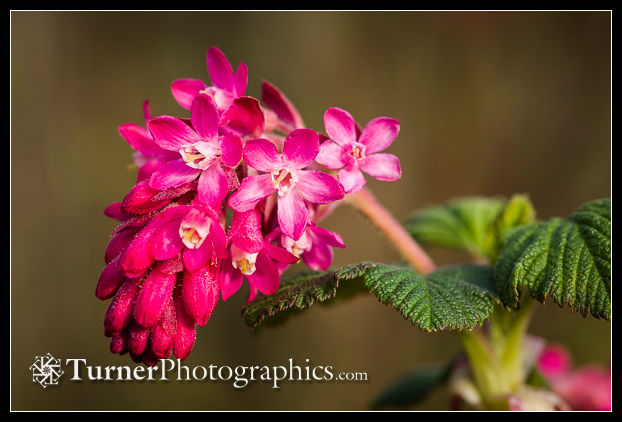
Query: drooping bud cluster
{"points": [[173, 255]]}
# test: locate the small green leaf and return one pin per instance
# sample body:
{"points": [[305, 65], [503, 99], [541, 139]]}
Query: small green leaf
{"points": [[298, 292], [456, 298], [569, 260], [462, 224], [412, 387], [518, 211]]}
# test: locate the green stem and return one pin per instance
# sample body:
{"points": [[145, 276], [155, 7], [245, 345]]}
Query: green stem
{"points": [[368, 205]]}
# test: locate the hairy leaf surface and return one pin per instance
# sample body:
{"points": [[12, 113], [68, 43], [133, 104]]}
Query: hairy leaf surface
{"points": [[569, 260]]}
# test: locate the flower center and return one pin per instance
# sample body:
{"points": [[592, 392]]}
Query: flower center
{"points": [[193, 235], [243, 261], [297, 247], [358, 151], [283, 181], [192, 157]]}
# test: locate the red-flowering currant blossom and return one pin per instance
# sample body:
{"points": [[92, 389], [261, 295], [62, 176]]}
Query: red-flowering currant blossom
{"points": [[285, 175], [203, 152], [587, 388], [148, 156], [353, 153], [227, 85], [251, 257]]}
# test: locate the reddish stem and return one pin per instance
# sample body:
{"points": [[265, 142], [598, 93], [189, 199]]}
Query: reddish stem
{"points": [[369, 206]]}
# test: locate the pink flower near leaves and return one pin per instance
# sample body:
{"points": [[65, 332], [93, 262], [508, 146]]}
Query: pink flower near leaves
{"points": [[285, 175], [250, 256], [354, 154], [203, 152], [227, 86]]}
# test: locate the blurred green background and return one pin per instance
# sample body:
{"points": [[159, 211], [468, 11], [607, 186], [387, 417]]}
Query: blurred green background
{"points": [[489, 103]]}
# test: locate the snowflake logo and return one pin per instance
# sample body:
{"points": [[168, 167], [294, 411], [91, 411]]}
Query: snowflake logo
{"points": [[46, 370]]}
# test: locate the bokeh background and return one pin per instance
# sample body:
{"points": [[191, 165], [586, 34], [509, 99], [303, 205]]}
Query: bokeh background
{"points": [[489, 103]]}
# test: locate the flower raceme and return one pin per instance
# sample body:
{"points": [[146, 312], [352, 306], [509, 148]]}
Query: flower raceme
{"points": [[234, 158]]}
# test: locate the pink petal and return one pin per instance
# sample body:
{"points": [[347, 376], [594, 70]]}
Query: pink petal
{"points": [[244, 117], [292, 214], [146, 170], [262, 155], [167, 243], [340, 126], [280, 104], [230, 279], [172, 265], [184, 91], [220, 70], [173, 174], [146, 111], [204, 116], [240, 80], [154, 293], [351, 179], [172, 133], [252, 190], [266, 277], [185, 333], [119, 312], [318, 187], [138, 255], [213, 185], [301, 147], [118, 345], [109, 280], [321, 235], [331, 155], [161, 342], [231, 147], [385, 167], [279, 254], [196, 258], [114, 211], [319, 257], [200, 291], [139, 138], [379, 134]]}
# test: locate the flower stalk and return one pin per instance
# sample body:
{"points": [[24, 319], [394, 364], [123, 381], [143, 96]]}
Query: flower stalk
{"points": [[365, 202]]}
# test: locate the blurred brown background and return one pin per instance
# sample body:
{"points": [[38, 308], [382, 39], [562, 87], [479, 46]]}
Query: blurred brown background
{"points": [[489, 103]]}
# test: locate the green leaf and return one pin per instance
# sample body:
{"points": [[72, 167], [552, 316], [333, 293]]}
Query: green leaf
{"points": [[518, 211], [569, 260], [473, 224], [298, 292], [412, 387], [457, 297]]}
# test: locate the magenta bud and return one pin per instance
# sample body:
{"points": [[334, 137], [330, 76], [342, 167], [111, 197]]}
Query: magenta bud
{"points": [[139, 200], [118, 344], [200, 291], [118, 243], [138, 338], [185, 333], [119, 312], [109, 280], [153, 297]]}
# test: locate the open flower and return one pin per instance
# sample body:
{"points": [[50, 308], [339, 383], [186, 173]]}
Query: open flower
{"points": [[227, 86], [285, 175], [354, 154], [251, 257], [203, 152], [148, 156]]}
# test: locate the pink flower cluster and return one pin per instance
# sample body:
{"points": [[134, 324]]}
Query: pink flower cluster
{"points": [[232, 192], [586, 388]]}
